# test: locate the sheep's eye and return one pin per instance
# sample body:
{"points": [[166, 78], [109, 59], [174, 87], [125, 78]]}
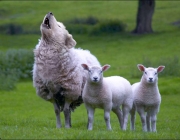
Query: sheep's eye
{"points": [[155, 73], [59, 26], [145, 72], [90, 71], [101, 71]]}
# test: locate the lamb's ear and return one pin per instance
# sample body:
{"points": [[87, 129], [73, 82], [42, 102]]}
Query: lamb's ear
{"points": [[160, 68], [105, 67], [70, 42], [85, 67], [141, 67]]}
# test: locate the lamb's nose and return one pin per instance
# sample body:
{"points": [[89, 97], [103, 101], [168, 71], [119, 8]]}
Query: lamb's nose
{"points": [[150, 79], [95, 78]]}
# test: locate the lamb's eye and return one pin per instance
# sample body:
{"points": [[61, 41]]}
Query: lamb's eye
{"points": [[90, 71], [145, 72], [155, 73], [100, 71]]}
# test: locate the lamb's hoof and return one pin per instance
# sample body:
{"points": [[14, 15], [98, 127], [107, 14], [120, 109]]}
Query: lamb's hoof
{"points": [[68, 127], [109, 129], [59, 126]]}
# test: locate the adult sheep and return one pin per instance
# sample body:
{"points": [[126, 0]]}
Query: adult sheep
{"points": [[57, 73], [107, 93], [147, 98]]}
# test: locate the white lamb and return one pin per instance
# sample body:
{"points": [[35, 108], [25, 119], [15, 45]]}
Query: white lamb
{"points": [[57, 73], [147, 97], [107, 93]]}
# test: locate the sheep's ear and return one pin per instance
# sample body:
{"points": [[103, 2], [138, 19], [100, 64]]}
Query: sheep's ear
{"points": [[160, 68], [141, 67], [85, 67], [70, 42], [105, 67]]}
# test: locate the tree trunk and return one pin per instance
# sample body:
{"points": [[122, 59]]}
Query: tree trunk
{"points": [[144, 17]]}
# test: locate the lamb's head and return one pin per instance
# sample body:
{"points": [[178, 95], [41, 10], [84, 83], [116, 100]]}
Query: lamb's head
{"points": [[150, 75], [95, 73], [55, 32]]}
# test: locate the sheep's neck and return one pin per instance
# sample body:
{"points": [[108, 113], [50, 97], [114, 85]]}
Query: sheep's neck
{"points": [[53, 60]]}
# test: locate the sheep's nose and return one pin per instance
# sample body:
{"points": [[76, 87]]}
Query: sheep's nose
{"points": [[50, 13]]}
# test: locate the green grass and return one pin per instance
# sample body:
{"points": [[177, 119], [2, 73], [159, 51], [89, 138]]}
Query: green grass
{"points": [[24, 115]]}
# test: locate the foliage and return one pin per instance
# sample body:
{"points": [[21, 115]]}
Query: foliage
{"points": [[11, 29], [109, 26], [14, 65], [8, 79], [89, 20], [94, 26]]}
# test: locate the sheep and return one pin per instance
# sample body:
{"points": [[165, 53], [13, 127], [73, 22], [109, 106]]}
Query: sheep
{"points": [[147, 98], [57, 73], [107, 93]]}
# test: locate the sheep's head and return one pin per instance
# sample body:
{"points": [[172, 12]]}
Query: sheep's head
{"points": [[55, 32], [95, 72], [150, 75]]}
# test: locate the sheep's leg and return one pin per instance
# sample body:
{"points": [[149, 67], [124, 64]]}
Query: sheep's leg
{"points": [[119, 114], [140, 110], [148, 117], [57, 112], [126, 110], [133, 117], [107, 119], [67, 115], [90, 112]]}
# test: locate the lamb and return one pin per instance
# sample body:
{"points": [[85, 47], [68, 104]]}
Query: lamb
{"points": [[107, 93], [57, 73], [147, 97]]}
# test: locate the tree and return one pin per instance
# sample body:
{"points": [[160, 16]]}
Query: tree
{"points": [[144, 17]]}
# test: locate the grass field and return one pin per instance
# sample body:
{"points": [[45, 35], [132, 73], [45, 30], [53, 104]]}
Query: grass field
{"points": [[23, 115]]}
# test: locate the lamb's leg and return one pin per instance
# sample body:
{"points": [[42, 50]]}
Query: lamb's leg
{"points": [[57, 112], [90, 112], [154, 112], [67, 115], [126, 109], [148, 117], [107, 119], [133, 117], [140, 110], [119, 114], [153, 123]]}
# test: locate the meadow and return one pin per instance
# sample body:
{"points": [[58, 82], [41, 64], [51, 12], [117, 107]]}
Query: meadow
{"points": [[23, 115]]}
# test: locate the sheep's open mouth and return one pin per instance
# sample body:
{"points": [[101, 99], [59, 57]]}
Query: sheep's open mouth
{"points": [[46, 22]]}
